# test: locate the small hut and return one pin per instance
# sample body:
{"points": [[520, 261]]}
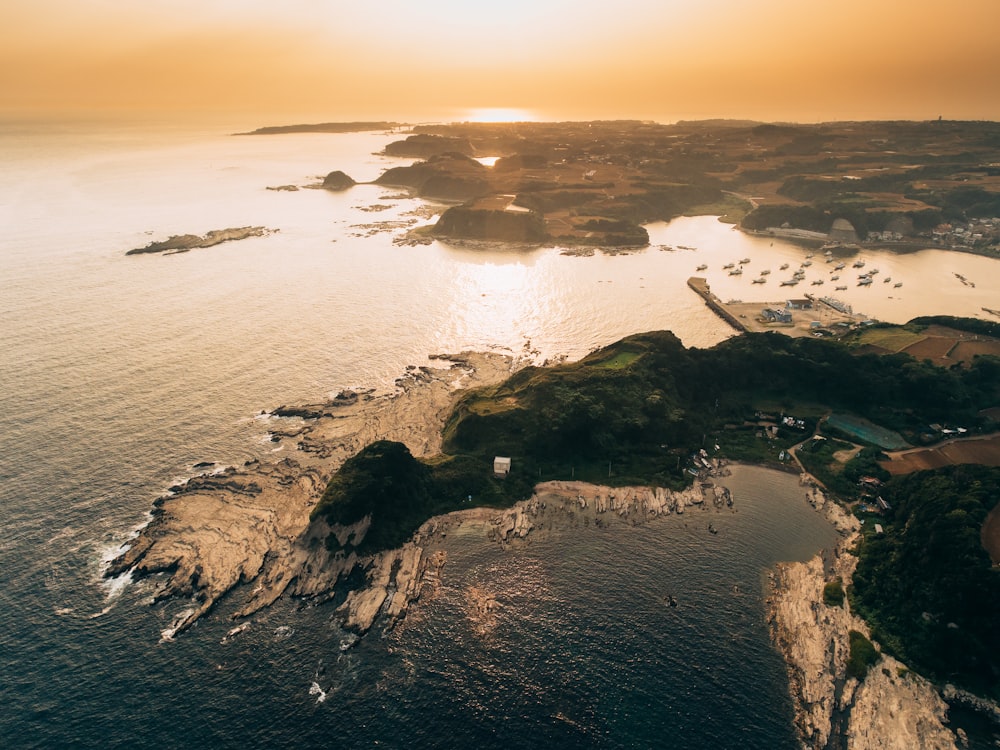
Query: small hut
{"points": [[501, 466]]}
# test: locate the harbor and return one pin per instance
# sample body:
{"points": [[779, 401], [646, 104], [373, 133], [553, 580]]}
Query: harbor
{"points": [[805, 315]]}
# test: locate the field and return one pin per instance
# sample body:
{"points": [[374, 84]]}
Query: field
{"points": [[980, 450], [943, 346]]}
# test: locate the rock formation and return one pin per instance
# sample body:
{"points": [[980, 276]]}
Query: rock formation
{"points": [[181, 243], [337, 181], [891, 708]]}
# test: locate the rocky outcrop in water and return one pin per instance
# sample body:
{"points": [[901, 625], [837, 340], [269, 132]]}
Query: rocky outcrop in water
{"points": [[337, 181], [891, 708], [182, 243]]}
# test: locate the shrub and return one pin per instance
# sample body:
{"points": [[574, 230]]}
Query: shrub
{"points": [[862, 655], [833, 593]]}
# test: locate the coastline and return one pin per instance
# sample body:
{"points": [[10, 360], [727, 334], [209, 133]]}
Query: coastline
{"points": [[892, 707], [248, 528]]}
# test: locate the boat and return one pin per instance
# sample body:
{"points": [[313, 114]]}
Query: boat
{"points": [[835, 277], [897, 285], [728, 265], [783, 266], [736, 272], [790, 282], [859, 263], [744, 260], [702, 267], [839, 266], [808, 255], [817, 282], [887, 279], [760, 280], [864, 281], [765, 272], [840, 288], [873, 271], [806, 263], [799, 274]]}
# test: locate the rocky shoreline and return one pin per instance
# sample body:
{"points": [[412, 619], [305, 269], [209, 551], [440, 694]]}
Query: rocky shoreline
{"points": [[892, 707], [248, 528]]}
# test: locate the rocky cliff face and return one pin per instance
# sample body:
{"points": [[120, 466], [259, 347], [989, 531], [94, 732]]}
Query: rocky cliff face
{"points": [[891, 708]]}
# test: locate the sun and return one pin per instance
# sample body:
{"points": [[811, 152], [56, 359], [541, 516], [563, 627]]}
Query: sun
{"points": [[500, 114]]}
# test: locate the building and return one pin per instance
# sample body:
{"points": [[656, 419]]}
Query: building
{"points": [[501, 466], [770, 315], [799, 304]]}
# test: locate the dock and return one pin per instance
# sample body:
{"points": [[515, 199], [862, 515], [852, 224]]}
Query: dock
{"points": [[824, 316], [700, 287]]}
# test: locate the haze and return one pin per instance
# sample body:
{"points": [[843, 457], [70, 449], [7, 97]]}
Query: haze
{"points": [[555, 59]]}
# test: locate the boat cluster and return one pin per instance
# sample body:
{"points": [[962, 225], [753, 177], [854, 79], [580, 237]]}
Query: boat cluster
{"points": [[864, 279]]}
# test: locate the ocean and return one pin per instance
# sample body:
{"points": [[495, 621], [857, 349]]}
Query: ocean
{"points": [[120, 373]]}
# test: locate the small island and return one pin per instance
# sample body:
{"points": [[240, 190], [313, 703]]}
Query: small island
{"points": [[182, 243]]}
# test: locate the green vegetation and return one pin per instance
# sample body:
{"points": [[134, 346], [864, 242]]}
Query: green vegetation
{"points": [[833, 593], [400, 492], [926, 585], [862, 655], [636, 411]]}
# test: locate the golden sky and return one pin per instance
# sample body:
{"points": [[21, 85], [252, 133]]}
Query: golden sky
{"points": [[279, 61]]}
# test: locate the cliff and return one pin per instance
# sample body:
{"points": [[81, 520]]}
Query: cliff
{"points": [[890, 708]]}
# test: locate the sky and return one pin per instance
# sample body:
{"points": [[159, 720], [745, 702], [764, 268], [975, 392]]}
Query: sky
{"points": [[285, 61]]}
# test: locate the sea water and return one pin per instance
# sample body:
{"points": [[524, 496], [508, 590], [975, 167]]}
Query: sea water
{"points": [[119, 373]]}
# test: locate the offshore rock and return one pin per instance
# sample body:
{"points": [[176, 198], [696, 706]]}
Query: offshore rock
{"points": [[181, 243], [337, 180]]}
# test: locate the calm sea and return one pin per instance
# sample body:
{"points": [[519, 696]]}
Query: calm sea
{"points": [[119, 373]]}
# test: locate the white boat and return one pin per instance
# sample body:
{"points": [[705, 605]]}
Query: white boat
{"points": [[702, 267], [817, 282], [765, 272], [806, 263], [835, 277], [790, 282], [760, 280], [839, 266], [865, 281], [859, 263], [744, 260], [736, 272], [728, 265]]}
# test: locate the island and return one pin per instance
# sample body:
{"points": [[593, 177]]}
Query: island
{"points": [[182, 243]]}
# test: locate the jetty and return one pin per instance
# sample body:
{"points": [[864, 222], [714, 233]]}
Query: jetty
{"points": [[700, 287], [808, 316]]}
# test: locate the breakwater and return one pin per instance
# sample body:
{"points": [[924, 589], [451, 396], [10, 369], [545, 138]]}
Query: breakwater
{"points": [[701, 288]]}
